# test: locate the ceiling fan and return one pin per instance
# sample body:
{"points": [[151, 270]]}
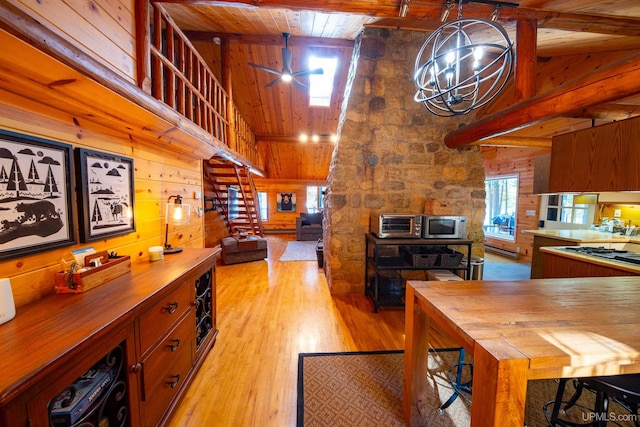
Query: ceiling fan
{"points": [[287, 74]]}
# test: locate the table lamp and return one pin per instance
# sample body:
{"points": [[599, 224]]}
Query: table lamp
{"points": [[177, 213]]}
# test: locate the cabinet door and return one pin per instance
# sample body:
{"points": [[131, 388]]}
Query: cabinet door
{"points": [[561, 267], [114, 401], [602, 158], [205, 306]]}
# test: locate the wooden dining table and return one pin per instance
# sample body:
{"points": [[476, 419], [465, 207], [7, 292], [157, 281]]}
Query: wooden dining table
{"points": [[518, 331]]}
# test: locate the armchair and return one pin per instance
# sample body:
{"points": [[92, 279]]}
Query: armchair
{"points": [[309, 226]]}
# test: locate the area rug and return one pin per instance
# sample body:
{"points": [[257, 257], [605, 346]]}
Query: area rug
{"points": [[300, 251], [365, 389], [350, 389]]}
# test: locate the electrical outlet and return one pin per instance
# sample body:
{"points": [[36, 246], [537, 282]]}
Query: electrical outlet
{"points": [[531, 212], [197, 195], [617, 213]]}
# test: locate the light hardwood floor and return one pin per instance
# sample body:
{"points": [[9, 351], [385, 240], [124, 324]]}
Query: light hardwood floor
{"points": [[268, 312]]}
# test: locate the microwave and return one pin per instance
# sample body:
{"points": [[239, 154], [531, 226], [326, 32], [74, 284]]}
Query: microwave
{"points": [[396, 226], [444, 227]]}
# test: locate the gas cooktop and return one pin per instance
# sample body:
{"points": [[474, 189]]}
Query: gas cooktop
{"points": [[602, 252]]}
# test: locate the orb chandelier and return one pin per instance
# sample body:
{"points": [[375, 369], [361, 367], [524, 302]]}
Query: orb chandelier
{"points": [[463, 65]]}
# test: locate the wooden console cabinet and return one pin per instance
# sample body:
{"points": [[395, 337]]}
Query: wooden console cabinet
{"points": [[154, 326]]}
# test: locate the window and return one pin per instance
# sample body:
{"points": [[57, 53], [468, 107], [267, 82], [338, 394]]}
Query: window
{"points": [[314, 199], [571, 208], [262, 203], [321, 85], [501, 200]]}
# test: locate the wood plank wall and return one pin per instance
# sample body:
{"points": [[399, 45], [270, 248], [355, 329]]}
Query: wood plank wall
{"points": [[516, 161], [284, 221], [103, 29], [158, 173]]}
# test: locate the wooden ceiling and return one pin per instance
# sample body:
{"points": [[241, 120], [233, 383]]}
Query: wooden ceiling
{"points": [[252, 31]]}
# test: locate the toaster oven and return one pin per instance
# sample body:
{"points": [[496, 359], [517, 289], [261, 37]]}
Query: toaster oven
{"points": [[396, 226]]}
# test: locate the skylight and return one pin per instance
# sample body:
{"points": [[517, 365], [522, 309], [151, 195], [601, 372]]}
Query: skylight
{"points": [[321, 85]]}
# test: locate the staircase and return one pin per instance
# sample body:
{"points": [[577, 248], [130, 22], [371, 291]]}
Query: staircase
{"points": [[236, 194]]}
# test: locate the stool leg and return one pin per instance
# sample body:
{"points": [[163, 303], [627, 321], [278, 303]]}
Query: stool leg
{"points": [[558, 402], [602, 403], [572, 401], [456, 384]]}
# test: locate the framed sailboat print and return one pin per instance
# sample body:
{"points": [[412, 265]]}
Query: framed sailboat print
{"points": [[36, 195], [105, 191]]}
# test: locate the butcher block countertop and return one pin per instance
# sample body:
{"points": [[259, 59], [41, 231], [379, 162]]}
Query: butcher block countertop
{"points": [[583, 236]]}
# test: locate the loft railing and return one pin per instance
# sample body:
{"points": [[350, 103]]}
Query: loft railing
{"points": [[245, 142], [181, 79]]}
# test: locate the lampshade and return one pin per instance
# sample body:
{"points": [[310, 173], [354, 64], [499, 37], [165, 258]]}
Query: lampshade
{"points": [[462, 66], [177, 213]]}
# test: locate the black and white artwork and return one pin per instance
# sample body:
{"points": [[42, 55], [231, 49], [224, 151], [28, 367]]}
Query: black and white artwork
{"points": [[36, 195], [106, 195]]}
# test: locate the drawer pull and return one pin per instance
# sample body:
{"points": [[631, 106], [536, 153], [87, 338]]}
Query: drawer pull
{"points": [[136, 368], [174, 382], [171, 308], [174, 345]]}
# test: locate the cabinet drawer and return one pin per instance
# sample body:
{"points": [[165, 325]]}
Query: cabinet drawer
{"points": [[167, 352], [171, 382], [160, 318]]}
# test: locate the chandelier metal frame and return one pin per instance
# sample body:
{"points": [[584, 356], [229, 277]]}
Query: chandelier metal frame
{"points": [[456, 76]]}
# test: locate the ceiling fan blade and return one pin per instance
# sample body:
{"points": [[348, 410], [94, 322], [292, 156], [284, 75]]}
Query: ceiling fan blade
{"points": [[273, 82], [286, 60], [300, 84], [308, 72], [270, 70]]}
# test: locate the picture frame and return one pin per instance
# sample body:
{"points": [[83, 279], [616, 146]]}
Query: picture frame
{"points": [[36, 195], [286, 202], [105, 193]]}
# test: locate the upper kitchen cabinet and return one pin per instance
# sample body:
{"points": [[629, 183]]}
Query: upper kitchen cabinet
{"points": [[602, 158]]}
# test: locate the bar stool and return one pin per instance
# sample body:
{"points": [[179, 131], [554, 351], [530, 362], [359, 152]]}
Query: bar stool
{"points": [[622, 389]]}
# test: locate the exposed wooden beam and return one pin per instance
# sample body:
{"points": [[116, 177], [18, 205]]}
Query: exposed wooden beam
{"points": [[515, 141], [292, 139], [526, 52], [429, 13], [615, 81], [269, 39]]}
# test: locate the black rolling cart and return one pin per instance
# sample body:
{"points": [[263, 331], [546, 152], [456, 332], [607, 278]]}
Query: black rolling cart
{"points": [[386, 259]]}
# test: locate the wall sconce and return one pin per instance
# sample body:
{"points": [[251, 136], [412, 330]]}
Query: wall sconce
{"points": [[404, 8], [177, 213]]}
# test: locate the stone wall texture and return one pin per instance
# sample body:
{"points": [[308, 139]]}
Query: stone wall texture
{"points": [[391, 158]]}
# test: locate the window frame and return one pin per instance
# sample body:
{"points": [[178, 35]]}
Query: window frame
{"points": [[500, 230]]}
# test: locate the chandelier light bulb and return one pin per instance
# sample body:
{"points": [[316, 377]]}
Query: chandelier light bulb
{"points": [[450, 58], [286, 77]]}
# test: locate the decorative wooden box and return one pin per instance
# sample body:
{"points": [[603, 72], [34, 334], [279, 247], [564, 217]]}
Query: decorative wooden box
{"points": [[110, 268]]}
